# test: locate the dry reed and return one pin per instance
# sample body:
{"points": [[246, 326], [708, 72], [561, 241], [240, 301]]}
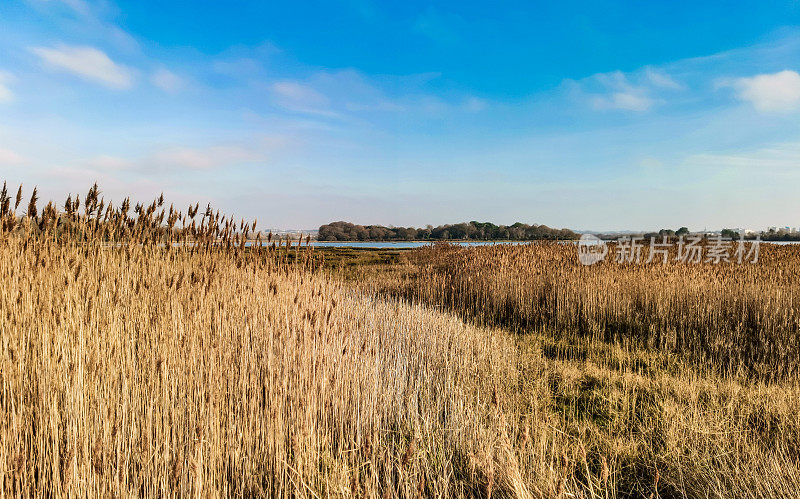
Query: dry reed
{"points": [[741, 319], [157, 355]]}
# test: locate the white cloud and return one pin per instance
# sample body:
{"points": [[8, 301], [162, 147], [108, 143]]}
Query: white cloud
{"points": [[661, 79], [88, 63], [776, 92], [79, 6], [383, 105], [301, 98], [637, 91], [632, 100], [475, 105], [346, 93], [650, 163], [109, 163], [180, 159], [781, 157], [6, 95], [167, 81], [206, 157], [9, 157], [91, 18], [620, 93]]}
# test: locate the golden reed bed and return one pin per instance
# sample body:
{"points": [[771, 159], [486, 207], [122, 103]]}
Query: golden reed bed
{"points": [[132, 366], [742, 319]]}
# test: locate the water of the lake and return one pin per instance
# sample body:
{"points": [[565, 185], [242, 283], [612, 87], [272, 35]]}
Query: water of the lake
{"points": [[419, 244], [399, 244]]}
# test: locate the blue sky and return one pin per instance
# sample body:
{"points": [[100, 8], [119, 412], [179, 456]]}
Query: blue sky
{"points": [[574, 114]]}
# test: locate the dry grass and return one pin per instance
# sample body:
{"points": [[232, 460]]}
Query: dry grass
{"points": [[144, 371], [682, 379], [743, 320], [131, 366]]}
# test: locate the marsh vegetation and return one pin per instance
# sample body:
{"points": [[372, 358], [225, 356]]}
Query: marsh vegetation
{"points": [[131, 365]]}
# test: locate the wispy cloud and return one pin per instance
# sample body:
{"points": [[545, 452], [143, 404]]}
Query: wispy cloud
{"points": [[167, 81], [88, 63], [350, 95], [10, 158], [621, 94], [107, 163], [172, 159], [6, 95], [661, 79], [90, 20], [205, 158], [775, 92], [79, 6], [299, 97], [475, 105], [257, 150], [638, 91], [626, 100], [776, 158]]}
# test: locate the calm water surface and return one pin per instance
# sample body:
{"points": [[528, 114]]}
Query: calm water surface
{"points": [[419, 244], [402, 244]]}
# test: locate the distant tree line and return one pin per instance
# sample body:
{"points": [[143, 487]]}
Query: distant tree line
{"points": [[780, 235], [767, 235], [669, 233], [481, 231]]}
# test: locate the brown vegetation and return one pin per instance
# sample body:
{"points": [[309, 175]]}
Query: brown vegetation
{"points": [[742, 319], [133, 365]]}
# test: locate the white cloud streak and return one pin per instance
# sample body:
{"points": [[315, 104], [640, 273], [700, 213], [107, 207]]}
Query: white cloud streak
{"points": [[10, 158], [78, 6], [206, 158], [775, 92], [6, 95], [626, 101], [298, 97], [167, 81], [661, 79], [88, 63], [621, 94], [782, 157]]}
